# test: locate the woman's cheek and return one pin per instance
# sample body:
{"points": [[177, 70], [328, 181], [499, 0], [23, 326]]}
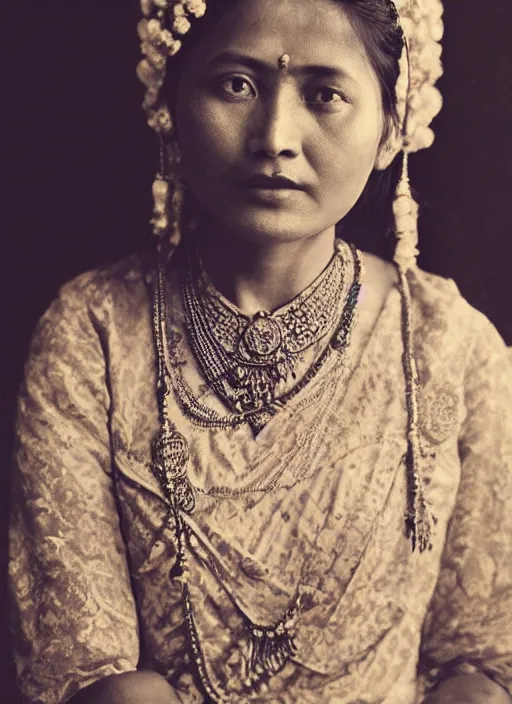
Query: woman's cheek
{"points": [[213, 136]]}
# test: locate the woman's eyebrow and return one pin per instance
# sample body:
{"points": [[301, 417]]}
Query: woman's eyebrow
{"points": [[320, 70]]}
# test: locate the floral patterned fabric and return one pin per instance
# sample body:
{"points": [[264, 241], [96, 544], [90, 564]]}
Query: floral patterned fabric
{"points": [[91, 546]]}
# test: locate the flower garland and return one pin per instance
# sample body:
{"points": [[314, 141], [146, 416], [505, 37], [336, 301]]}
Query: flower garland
{"points": [[418, 102], [423, 27], [164, 22]]}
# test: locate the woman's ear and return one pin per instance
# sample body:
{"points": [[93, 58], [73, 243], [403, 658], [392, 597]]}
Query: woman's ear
{"points": [[389, 147]]}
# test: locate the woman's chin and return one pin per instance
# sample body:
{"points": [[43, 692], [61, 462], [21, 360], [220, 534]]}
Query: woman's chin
{"points": [[262, 226]]}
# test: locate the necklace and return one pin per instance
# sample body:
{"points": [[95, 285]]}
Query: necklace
{"points": [[245, 358], [271, 646], [257, 417]]}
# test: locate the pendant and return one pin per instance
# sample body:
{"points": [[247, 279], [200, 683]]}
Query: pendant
{"points": [[170, 459], [261, 338]]}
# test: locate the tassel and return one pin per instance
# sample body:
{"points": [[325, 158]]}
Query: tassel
{"points": [[160, 220], [270, 650], [271, 647], [417, 518], [405, 210]]}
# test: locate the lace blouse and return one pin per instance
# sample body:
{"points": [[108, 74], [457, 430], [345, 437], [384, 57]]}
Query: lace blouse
{"points": [[284, 514]]}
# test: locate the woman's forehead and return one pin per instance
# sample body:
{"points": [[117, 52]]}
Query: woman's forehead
{"points": [[312, 32]]}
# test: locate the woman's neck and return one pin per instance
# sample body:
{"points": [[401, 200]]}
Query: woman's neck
{"points": [[263, 276]]}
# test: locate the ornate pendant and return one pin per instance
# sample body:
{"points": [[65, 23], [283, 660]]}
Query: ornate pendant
{"points": [[262, 338], [170, 459]]}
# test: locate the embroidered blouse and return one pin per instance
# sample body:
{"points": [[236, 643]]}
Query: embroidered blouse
{"points": [[286, 514]]}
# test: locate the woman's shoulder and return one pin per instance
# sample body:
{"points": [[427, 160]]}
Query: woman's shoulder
{"points": [[114, 295], [449, 332], [449, 326], [438, 300], [438, 304], [103, 284]]}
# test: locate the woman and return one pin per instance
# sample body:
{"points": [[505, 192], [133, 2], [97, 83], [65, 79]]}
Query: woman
{"points": [[301, 491]]}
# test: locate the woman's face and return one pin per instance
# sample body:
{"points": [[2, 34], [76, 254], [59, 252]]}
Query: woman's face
{"points": [[318, 122]]}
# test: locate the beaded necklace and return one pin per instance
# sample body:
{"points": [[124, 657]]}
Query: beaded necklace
{"points": [[257, 416], [273, 645]]}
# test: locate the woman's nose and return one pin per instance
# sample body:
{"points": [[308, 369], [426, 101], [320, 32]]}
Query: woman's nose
{"points": [[275, 128]]}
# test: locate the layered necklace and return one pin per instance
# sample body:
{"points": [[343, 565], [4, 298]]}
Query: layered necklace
{"points": [[269, 352], [245, 359]]}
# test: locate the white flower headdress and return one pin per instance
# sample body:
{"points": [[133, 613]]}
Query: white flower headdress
{"points": [[418, 101]]}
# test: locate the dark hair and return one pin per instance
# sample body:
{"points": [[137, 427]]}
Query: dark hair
{"points": [[370, 223], [377, 24]]}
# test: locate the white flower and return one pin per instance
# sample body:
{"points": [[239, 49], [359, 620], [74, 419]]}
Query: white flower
{"points": [[148, 75], [154, 29], [151, 98], [424, 138], [145, 6], [402, 205], [437, 30], [405, 254], [159, 222], [432, 99], [155, 57], [160, 120], [181, 25], [405, 223], [195, 7], [142, 29], [166, 38], [160, 190], [174, 48]]}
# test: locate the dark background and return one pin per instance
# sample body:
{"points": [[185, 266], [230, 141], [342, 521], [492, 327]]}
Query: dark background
{"points": [[80, 162]]}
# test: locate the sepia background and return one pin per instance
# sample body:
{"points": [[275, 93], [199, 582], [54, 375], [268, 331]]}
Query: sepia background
{"points": [[80, 162]]}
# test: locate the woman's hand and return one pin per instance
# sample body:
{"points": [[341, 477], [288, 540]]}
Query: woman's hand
{"points": [[469, 689], [141, 687]]}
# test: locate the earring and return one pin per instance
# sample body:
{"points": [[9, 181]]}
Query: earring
{"points": [[405, 210]]}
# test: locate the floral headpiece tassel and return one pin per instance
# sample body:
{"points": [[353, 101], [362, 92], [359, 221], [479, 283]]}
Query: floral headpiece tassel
{"points": [[418, 102], [160, 32]]}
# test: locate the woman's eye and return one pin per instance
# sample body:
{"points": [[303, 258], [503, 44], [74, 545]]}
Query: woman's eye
{"points": [[238, 87], [324, 97]]}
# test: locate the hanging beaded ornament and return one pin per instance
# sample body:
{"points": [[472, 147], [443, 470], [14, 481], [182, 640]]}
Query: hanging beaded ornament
{"points": [[418, 102]]}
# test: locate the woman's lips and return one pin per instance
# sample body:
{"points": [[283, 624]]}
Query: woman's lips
{"points": [[271, 189], [264, 182]]}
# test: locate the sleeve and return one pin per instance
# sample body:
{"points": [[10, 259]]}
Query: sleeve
{"points": [[468, 627], [73, 613]]}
